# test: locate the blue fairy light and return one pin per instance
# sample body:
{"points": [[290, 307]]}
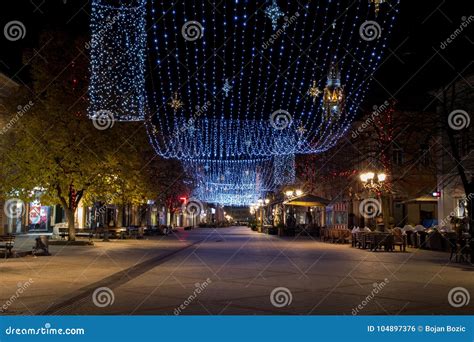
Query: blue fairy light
{"points": [[117, 55], [269, 71]]}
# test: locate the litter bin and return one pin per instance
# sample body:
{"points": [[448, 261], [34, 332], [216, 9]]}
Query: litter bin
{"points": [[42, 245]]}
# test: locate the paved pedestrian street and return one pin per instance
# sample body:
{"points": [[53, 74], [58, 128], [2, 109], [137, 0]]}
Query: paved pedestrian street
{"points": [[230, 271]]}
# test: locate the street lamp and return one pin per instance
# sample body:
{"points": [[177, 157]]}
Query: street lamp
{"points": [[261, 204], [375, 182], [293, 193], [372, 181]]}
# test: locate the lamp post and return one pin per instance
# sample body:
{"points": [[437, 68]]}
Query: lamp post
{"points": [[253, 211], [289, 195], [261, 204], [375, 183], [372, 181]]}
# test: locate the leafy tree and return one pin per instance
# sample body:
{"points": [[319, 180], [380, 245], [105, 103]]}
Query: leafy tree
{"points": [[54, 146]]}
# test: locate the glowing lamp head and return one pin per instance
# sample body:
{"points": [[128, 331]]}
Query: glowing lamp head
{"points": [[299, 192], [382, 177]]}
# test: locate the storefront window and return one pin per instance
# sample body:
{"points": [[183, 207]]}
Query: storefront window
{"points": [[38, 217], [340, 217], [328, 217], [461, 208]]}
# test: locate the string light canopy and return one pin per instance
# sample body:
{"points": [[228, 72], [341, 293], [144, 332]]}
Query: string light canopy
{"points": [[284, 169], [235, 86], [248, 69], [117, 53], [231, 182]]}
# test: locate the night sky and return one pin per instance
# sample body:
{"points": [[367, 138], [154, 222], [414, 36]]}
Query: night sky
{"points": [[413, 65]]}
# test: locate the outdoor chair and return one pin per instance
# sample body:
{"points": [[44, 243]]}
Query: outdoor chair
{"points": [[420, 237], [434, 241], [461, 249], [323, 234], [368, 240], [380, 240], [359, 239], [399, 239]]}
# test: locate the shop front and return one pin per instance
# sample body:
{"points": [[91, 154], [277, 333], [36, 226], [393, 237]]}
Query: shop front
{"points": [[337, 215], [304, 210]]}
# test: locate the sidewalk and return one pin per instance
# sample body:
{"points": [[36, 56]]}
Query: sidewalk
{"points": [[70, 268], [241, 269]]}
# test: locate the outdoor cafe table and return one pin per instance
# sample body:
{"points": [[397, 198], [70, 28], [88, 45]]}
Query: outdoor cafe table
{"points": [[376, 240]]}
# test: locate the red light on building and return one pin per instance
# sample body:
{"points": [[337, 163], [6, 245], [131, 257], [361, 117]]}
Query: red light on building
{"points": [[184, 200], [436, 194]]}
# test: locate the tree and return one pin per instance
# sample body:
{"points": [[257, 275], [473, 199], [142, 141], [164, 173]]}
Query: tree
{"points": [[455, 105], [55, 147], [372, 145]]}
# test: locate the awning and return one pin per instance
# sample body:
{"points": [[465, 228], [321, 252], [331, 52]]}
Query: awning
{"points": [[307, 201]]}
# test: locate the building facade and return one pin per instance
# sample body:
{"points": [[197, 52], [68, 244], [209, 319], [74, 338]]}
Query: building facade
{"points": [[7, 87], [384, 141]]}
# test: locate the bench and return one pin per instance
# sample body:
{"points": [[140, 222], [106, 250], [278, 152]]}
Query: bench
{"points": [[64, 233], [135, 232], [7, 242]]}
